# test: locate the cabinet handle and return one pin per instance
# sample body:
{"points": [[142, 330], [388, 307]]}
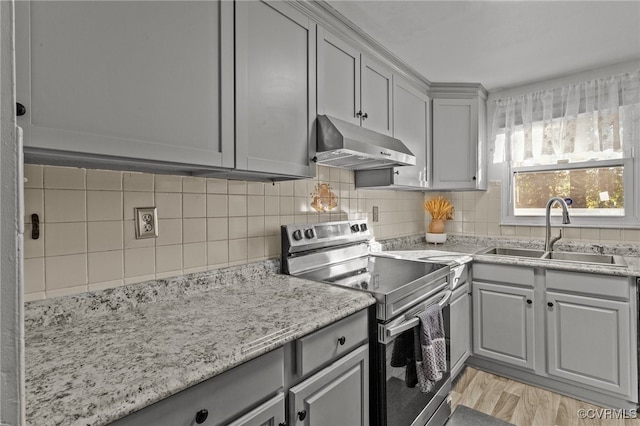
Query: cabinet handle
{"points": [[282, 424], [397, 172], [35, 227], [529, 301], [359, 114], [342, 340], [473, 178], [201, 416], [549, 304], [302, 415], [365, 116], [20, 109]]}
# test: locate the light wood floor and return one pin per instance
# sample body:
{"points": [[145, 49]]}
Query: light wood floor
{"points": [[521, 404]]}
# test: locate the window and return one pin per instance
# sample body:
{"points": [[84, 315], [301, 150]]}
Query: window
{"points": [[578, 142]]}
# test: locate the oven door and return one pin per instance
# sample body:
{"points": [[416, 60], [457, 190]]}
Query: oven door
{"points": [[401, 403]]}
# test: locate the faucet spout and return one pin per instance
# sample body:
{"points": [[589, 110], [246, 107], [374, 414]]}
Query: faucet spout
{"points": [[548, 242]]}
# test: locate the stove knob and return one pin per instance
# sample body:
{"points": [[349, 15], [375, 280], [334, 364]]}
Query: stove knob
{"points": [[309, 233], [297, 235], [363, 227], [355, 228]]}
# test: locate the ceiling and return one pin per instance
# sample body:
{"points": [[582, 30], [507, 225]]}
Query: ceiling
{"points": [[501, 44]]}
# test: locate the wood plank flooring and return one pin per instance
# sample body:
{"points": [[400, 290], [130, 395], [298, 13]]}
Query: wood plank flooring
{"points": [[523, 405]]}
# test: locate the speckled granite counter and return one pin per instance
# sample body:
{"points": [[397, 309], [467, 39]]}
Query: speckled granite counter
{"points": [[415, 248], [96, 357]]}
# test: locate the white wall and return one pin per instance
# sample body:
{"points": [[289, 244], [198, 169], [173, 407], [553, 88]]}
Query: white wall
{"points": [[11, 328]]}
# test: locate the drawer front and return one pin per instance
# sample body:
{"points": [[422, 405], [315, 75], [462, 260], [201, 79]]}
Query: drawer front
{"points": [[330, 343], [507, 274], [596, 284], [225, 396]]}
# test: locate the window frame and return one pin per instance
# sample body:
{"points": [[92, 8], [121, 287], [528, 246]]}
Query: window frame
{"points": [[631, 185]]}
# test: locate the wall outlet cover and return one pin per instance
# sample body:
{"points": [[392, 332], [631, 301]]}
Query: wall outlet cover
{"points": [[146, 219]]}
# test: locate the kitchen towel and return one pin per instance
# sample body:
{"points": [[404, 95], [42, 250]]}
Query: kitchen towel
{"points": [[431, 348]]}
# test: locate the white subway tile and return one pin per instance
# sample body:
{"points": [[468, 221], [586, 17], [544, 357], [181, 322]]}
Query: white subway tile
{"points": [[255, 248], [217, 229], [169, 205], [65, 271], [216, 186], [194, 255], [286, 206], [105, 285], [64, 178], [272, 225], [194, 230], [129, 237], [286, 188], [139, 262], [106, 266], [255, 205], [61, 205], [218, 252], [169, 232], [255, 188], [33, 204], [33, 248], [237, 205], [34, 275], [194, 205], [168, 258], [217, 205], [272, 206], [65, 238], [237, 227], [134, 200], [255, 226], [132, 181], [272, 189], [104, 205], [33, 176], [237, 187], [104, 180], [168, 183], [195, 185], [237, 250], [104, 236]]}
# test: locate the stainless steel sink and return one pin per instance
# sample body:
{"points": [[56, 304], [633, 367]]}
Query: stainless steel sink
{"points": [[607, 259], [504, 251], [602, 259]]}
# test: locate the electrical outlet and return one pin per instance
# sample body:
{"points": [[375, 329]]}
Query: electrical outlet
{"points": [[146, 222], [375, 214]]}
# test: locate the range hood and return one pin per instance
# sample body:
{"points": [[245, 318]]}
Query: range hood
{"points": [[345, 145]]}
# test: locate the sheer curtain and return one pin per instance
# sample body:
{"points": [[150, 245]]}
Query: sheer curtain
{"points": [[592, 120]]}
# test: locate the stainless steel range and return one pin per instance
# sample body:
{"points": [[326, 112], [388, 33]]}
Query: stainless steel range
{"points": [[337, 253]]}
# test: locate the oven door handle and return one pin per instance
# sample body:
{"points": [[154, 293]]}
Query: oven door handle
{"points": [[410, 320]]}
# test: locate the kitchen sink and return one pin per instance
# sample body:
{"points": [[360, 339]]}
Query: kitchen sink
{"points": [[603, 259], [504, 251], [607, 259]]}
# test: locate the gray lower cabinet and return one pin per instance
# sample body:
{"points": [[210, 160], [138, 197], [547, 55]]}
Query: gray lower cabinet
{"points": [[271, 413], [460, 323], [275, 56], [503, 323], [127, 82], [337, 395]]}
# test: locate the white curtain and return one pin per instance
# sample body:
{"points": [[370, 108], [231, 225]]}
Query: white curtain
{"points": [[592, 120]]}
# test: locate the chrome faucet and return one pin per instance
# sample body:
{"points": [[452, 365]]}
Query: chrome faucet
{"points": [[548, 241]]}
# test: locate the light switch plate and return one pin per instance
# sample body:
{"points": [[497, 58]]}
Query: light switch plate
{"points": [[146, 219]]}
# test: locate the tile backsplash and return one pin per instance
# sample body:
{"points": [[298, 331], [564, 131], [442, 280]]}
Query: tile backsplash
{"points": [[87, 238]]}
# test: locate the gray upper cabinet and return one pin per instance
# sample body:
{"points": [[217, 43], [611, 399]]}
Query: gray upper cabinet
{"points": [[353, 87], [459, 135], [411, 111], [141, 80], [275, 89]]}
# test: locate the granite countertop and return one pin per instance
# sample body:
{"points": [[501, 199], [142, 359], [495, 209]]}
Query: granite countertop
{"points": [[96, 357], [416, 248]]}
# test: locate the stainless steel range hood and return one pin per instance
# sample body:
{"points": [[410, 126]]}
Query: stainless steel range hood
{"points": [[345, 145]]}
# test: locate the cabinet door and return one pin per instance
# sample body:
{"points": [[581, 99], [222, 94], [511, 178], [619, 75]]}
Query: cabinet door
{"points": [[410, 125], [275, 89], [503, 327], [376, 96], [337, 395], [271, 413], [149, 80], [588, 341], [460, 334], [338, 78], [455, 143]]}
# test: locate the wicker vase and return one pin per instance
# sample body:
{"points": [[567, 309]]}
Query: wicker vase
{"points": [[436, 226]]}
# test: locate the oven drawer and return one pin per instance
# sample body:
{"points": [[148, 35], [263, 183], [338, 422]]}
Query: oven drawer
{"points": [[330, 342]]}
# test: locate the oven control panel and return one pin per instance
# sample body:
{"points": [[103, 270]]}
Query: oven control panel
{"points": [[315, 235]]}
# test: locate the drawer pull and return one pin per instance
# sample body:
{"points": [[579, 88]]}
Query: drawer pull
{"points": [[342, 340], [201, 416], [549, 304], [302, 415], [529, 301]]}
